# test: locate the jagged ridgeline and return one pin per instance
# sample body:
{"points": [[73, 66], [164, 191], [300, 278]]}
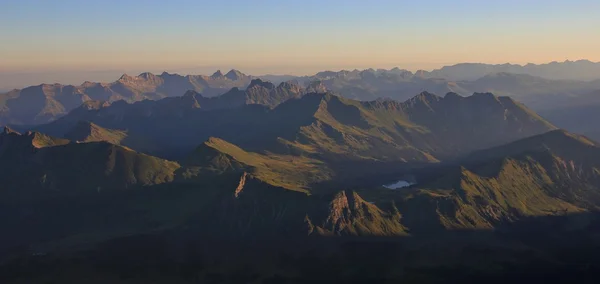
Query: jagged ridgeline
{"points": [[555, 173], [286, 165], [325, 136], [303, 149], [552, 174], [46, 102]]}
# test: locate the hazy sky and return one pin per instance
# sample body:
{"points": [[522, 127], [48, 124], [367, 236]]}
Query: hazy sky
{"points": [[291, 36]]}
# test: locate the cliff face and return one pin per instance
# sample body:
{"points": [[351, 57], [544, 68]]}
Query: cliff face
{"points": [[349, 214], [240, 187]]}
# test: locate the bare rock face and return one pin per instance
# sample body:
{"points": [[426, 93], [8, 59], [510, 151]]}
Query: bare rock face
{"points": [[217, 75], [234, 75], [240, 187], [350, 214], [316, 87]]}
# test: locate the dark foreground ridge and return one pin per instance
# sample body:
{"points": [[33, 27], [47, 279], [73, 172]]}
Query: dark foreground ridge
{"points": [[525, 253]]}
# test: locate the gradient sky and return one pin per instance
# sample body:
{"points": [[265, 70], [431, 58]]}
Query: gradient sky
{"points": [[291, 36]]}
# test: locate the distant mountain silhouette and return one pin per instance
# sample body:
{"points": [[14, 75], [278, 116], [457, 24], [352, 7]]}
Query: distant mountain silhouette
{"points": [[583, 70], [578, 114], [538, 86], [536, 92], [44, 103]]}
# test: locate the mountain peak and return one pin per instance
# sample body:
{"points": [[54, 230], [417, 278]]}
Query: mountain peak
{"points": [[261, 83], [427, 96], [234, 75], [423, 100], [126, 77], [316, 87], [566, 135], [33, 139], [146, 75], [290, 85], [191, 93], [87, 131], [89, 84], [486, 95], [8, 130], [421, 74], [217, 75], [190, 99], [452, 95], [90, 105]]}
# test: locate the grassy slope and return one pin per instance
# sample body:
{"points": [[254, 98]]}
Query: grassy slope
{"points": [[35, 161], [524, 182], [550, 174], [424, 129], [89, 132], [105, 164], [291, 172], [343, 128]]}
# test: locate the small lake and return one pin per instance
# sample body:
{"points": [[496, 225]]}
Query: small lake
{"points": [[399, 184]]}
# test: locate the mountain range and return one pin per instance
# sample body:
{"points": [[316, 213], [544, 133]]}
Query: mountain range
{"points": [[341, 132], [269, 194], [583, 70], [46, 102], [292, 178], [325, 143], [536, 92], [540, 87]]}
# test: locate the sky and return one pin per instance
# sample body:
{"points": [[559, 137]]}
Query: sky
{"points": [[44, 38]]}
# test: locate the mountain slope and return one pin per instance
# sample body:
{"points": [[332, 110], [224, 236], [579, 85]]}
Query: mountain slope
{"points": [[216, 157], [536, 91], [34, 161], [424, 128], [583, 70], [319, 139], [550, 174], [90, 132], [349, 214], [539, 90], [340, 131], [578, 114], [228, 197], [84, 131]]}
